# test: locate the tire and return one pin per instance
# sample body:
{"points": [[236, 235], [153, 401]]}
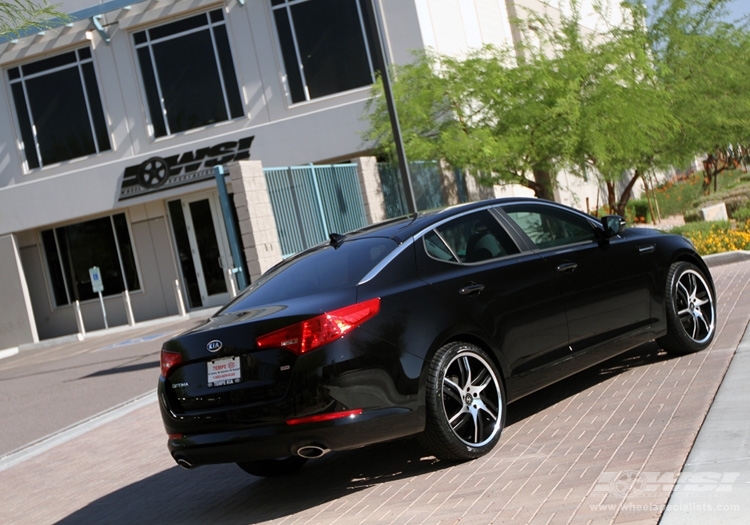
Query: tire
{"points": [[465, 403], [269, 468], [691, 310]]}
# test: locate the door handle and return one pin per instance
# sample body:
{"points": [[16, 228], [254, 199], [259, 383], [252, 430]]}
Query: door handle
{"points": [[566, 267], [648, 248], [471, 289]]}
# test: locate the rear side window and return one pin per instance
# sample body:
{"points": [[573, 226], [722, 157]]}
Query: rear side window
{"points": [[471, 238], [320, 269]]}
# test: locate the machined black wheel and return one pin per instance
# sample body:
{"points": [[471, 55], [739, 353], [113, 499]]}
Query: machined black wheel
{"points": [[268, 468], [691, 310], [465, 403]]}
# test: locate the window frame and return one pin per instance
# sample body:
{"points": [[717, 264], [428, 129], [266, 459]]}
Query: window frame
{"points": [[555, 212], [299, 73], [28, 127], [226, 68], [509, 243], [65, 275]]}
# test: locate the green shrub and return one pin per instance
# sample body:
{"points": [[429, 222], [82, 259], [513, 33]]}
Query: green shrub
{"points": [[637, 210]]}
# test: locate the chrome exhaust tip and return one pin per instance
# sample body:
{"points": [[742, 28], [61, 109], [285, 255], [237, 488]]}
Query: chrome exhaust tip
{"points": [[312, 451], [184, 463]]}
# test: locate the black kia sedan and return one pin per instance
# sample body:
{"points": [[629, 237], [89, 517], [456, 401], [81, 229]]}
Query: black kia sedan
{"points": [[425, 325]]}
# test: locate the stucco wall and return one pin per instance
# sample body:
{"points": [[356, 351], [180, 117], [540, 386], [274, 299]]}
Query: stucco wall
{"points": [[16, 318]]}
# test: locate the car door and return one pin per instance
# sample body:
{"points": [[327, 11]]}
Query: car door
{"points": [[509, 296], [603, 281]]}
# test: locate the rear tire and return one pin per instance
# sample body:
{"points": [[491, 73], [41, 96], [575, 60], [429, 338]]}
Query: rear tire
{"points": [[268, 468], [691, 310], [465, 403]]}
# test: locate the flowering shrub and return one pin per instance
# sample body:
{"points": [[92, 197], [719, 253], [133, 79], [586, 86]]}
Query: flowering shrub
{"points": [[717, 237]]}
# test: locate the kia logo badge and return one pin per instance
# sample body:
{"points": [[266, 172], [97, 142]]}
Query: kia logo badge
{"points": [[214, 346]]}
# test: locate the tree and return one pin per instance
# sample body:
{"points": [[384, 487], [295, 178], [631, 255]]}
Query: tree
{"points": [[583, 101], [505, 122], [611, 104], [624, 109], [702, 60], [18, 16]]}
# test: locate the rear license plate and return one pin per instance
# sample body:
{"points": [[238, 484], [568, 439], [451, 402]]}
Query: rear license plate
{"points": [[224, 371]]}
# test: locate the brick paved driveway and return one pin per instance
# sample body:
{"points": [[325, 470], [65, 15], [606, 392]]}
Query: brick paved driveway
{"points": [[572, 453]]}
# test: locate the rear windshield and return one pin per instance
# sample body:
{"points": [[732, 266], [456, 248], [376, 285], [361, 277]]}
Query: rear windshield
{"points": [[320, 269]]}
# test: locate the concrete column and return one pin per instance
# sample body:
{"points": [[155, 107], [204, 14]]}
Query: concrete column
{"points": [[260, 237], [17, 323], [372, 192]]}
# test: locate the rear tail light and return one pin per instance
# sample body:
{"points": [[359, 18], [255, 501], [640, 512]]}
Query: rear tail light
{"points": [[313, 333], [324, 417], [169, 359]]}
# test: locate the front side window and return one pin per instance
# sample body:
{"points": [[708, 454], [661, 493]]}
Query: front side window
{"points": [[58, 108], [324, 46], [188, 73], [72, 250], [548, 226]]}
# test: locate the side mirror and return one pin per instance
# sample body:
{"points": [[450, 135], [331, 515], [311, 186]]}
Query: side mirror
{"points": [[613, 225]]}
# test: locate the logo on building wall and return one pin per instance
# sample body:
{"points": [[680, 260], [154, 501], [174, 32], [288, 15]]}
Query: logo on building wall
{"points": [[161, 173]]}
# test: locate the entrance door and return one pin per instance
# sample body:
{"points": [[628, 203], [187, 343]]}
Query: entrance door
{"points": [[202, 248]]}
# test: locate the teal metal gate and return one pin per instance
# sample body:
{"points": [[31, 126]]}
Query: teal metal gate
{"points": [[311, 202]]}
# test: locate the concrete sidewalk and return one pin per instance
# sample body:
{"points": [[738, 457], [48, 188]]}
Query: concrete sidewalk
{"points": [[714, 486], [615, 444]]}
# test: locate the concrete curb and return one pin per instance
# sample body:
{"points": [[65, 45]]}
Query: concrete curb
{"points": [[74, 338], [73, 431], [718, 259]]}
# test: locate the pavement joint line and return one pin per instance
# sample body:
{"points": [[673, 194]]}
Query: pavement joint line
{"points": [[75, 430]]}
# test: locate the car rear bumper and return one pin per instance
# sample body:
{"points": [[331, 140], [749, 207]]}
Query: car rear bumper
{"points": [[307, 440]]}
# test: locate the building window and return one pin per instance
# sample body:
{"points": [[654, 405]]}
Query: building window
{"points": [[188, 73], [72, 250], [58, 108], [324, 46]]}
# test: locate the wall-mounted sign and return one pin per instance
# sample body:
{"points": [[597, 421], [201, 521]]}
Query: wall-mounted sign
{"points": [[161, 173]]}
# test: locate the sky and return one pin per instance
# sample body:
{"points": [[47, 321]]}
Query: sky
{"points": [[736, 8]]}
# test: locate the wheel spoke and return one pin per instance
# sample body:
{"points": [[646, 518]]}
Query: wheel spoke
{"points": [[471, 399], [693, 305], [455, 389]]}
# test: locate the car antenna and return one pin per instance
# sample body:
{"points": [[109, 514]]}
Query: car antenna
{"points": [[336, 239]]}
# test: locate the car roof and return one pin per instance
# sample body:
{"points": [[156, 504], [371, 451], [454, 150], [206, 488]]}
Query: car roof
{"points": [[401, 228]]}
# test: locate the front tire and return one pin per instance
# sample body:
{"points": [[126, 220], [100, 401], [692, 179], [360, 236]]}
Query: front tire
{"points": [[269, 468], [691, 310], [465, 403]]}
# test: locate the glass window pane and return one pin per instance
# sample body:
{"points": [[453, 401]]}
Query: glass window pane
{"points": [[85, 245], [27, 135], [174, 28], [60, 115], [152, 92], [182, 241], [294, 80], [332, 46], [58, 108], [549, 227], [189, 82], [477, 237], [227, 72], [41, 66], [208, 247], [126, 251], [182, 76], [55, 268]]}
